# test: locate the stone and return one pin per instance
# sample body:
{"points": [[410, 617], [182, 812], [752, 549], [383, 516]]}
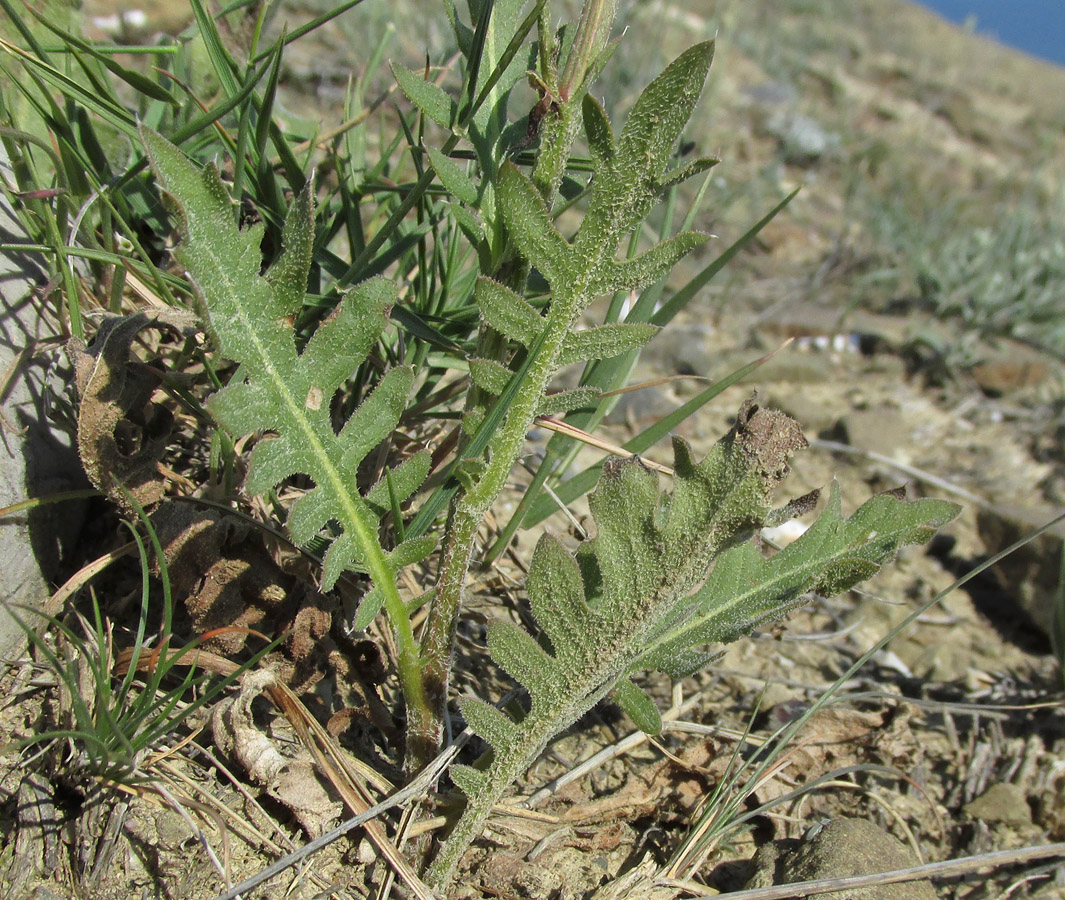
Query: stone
{"points": [[1002, 803], [36, 456], [842, 847]]}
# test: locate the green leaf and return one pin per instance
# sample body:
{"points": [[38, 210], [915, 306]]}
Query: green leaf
{"points": [[647, 268], [489, 375], [628, 182], [278, 390], [406, 478], [471, 226], [523, 659], [598, 130], [530, 225], [495, 726], [452, 177], [604, 341], [663, 109], [467, 779], [746, 588], [635, 703], [563, 402], [412, 551], [683, 173], [469, 472], [507, 313], [556, 594], [428, 97], [666, 574]]}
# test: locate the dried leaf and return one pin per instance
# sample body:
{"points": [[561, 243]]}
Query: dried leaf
{"points": [[122, 432]]}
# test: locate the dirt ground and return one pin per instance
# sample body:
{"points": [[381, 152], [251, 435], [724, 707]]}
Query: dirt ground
{"points": [[951, 738]]}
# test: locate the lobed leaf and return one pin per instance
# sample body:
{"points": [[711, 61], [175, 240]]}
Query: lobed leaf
{"points": [[627, 181], [277, 389], [746, 588], [665, 575]]}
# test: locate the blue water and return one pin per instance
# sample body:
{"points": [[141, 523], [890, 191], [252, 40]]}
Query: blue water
{"points": [[1034, 26]]}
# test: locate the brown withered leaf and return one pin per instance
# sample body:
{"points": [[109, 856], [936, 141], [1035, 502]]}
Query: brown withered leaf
{"points": [[293, 780], [769, 437], [226, 577], [121, 433]]}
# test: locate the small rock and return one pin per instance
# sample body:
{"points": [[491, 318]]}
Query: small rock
{"points": [[883, 429], [803, 140], [1028, 577], [843, 847], [36, 457], [1004, 804], [682, 350], [642, 407]]}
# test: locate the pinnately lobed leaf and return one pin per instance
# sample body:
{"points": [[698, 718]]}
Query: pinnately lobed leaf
{"points": [[664, 576], [284, 393]]}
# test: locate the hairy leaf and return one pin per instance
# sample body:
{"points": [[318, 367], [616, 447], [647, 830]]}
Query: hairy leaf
{"points": [[604, 342], [666, 574], [467, 779], [452, 177], [638, 706], [531, 228], [565, 401], [507, 313], [431, 99], [280, 391], [494, 726], [597, 129], [489, 375], [647, 268], [747, 588]]}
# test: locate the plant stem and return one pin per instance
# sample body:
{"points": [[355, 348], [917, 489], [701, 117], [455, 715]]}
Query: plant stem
{"points": [[467, 510]]}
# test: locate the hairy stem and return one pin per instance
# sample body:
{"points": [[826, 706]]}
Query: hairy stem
{"points": [[465, 514], [467, 510]]}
